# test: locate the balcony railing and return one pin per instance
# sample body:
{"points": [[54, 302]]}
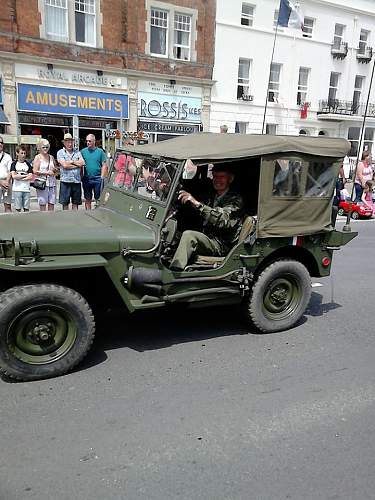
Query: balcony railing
{"points": [[348, 108], [339, 50], [364, 54]]}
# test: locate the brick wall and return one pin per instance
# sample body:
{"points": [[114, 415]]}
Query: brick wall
{"points": [[123, 32]]}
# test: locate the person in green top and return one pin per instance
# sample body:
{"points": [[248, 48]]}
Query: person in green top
{"points": [[95, 170]]}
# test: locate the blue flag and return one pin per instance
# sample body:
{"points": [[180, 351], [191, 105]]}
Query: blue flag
{"points": [[289, 15]]}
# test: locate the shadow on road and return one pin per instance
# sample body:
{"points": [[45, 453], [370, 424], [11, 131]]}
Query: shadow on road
{"points": [[316, 306], [160, 329]]}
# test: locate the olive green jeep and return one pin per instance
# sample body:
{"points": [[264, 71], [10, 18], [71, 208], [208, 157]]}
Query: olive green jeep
{"points": [[57, 270]]}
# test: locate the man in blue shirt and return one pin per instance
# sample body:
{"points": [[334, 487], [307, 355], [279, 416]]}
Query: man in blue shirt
{"points": [[95, 170], [71, 163]]}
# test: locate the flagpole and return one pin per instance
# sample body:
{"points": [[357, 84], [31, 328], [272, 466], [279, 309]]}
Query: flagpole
{"points": [[347, 224], [269, 73]]}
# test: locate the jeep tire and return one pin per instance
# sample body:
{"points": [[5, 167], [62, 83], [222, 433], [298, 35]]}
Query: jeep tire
{"points": [[279, 296], [45, 330]]}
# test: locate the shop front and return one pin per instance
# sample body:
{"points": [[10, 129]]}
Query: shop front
{"points": [[167, 110], [51, 102]]}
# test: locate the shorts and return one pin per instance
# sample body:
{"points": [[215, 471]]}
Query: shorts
{"points": [[90, 185], [70, 190], [47, 195], [6, 195], [21, 200]]}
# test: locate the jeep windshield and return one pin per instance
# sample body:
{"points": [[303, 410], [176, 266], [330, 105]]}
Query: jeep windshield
{"points": [[147, 177]]}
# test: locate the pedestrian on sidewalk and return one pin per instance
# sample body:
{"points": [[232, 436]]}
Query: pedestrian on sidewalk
{"points": [[95, 171], [364, 173], [5, 178], [44, 168], [22, 174], [71, 164]]}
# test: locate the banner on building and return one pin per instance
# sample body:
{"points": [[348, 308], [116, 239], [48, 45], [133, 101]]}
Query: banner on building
{"points": [[42, 99]]}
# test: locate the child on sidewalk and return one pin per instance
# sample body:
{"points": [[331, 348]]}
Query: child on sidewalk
{"points": [[22, 174], [367, 196]]}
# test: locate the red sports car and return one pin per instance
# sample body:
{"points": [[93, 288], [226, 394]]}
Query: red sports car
{"points": [[358, 209]]}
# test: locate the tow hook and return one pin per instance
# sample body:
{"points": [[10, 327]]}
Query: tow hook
{"points": [[244, 279]]}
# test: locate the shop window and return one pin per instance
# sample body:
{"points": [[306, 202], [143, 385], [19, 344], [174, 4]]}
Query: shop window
{"points": [[247, 14], [171, 31], [70, 21]]}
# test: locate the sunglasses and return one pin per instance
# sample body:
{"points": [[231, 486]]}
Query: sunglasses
{"points": [[1, 142], [45, 147]]}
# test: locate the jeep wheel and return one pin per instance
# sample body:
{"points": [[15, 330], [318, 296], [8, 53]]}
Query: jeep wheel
{"points": [[279, 296], [355, 215], [45, 330], [341, 211]]}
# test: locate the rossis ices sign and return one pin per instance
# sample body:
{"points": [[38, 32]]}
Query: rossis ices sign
{"points": [[169, 107], [42, 99]]}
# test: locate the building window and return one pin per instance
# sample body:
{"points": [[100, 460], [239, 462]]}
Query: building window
{"points": [[271, 128], [368, 139], [358, 86], [243, 78], [274, 83], [56, 20], [70, 21], [182, 35], [159, 32], [171, 31], [85, 21], [308, 25], [303, 80], [363, 40], [247, 14], [338, 37], [333, 86], [240, 128]]}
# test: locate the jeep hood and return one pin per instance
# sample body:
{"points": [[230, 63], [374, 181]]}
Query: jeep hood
{"points": [[76, 232]]}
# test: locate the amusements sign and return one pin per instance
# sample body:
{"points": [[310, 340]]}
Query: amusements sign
{"points": [[42, 99]]}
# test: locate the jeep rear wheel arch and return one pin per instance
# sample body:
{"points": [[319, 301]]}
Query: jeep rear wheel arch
{"points": [[45, 330], [279, 296]]}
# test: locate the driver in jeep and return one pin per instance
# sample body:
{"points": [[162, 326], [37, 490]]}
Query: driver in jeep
{"points": [[222, 219]]}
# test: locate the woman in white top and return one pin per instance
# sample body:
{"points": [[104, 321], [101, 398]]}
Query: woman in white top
{"points": [[44, 167], [364, 173]]}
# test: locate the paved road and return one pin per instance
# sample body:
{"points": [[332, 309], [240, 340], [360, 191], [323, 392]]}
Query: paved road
{"points": [[204, 409]]}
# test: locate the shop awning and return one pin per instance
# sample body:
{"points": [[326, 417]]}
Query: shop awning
{"points": [[3, 117]]}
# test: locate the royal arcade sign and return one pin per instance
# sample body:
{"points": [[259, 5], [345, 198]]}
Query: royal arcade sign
{"points": [[43, 99]]}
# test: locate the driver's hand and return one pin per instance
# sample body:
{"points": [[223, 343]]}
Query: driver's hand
{"points": [[185, 197]]}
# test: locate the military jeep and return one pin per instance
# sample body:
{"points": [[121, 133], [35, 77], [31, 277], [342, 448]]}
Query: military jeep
{"points": [[57, 270]]}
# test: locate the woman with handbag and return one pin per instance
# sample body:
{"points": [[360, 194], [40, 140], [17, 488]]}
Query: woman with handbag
{"points": [[44, 168]]}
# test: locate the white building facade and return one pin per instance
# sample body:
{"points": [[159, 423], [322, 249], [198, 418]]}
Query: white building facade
{"points": [[320, 75]]}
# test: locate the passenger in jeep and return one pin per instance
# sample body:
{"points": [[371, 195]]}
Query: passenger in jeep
{"points": [[222, 218]]}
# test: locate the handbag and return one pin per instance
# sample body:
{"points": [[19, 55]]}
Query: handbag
{"points": [[38, 183]]}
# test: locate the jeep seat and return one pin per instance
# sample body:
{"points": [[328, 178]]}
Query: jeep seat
{"points": [[248, 225]]}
